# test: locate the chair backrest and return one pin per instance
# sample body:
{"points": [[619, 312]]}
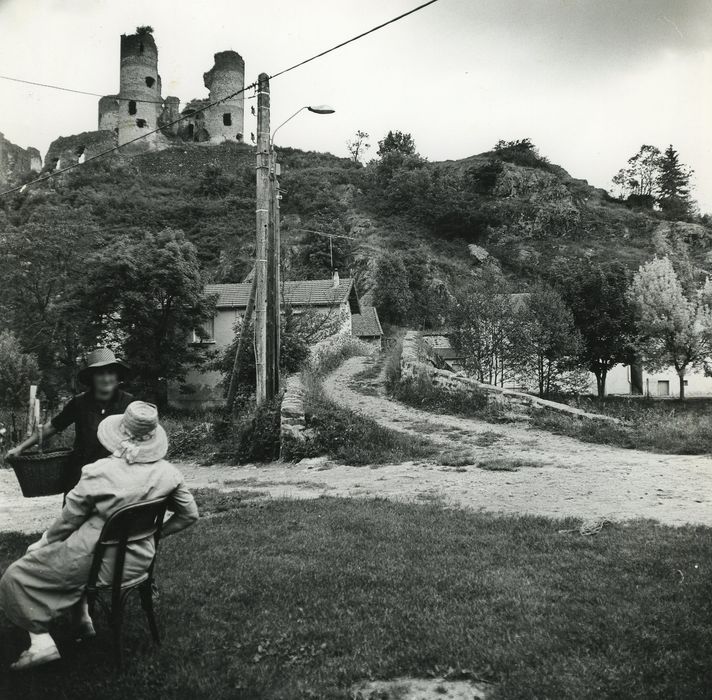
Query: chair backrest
{"points": [[131, 523]]}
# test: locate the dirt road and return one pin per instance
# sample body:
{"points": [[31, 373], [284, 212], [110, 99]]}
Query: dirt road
{"points": [[565, 477]]}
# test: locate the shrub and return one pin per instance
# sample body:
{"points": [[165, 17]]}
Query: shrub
{"points": [[419, 391], [331, 353]]}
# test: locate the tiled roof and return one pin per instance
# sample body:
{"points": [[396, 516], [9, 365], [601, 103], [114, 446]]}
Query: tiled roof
{"points": [[366, 324], [296, 293]]}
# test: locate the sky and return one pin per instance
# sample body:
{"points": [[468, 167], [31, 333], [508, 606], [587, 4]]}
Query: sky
{"points": [[589, 81]]}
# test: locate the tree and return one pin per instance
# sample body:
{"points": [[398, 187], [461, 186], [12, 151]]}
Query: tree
{"points": [[550, 337], [391, 294], [147, 297], [603, 315], [486, 318], [357, 146], [639, 179], [396, 141], [674, 185], [18, 370], [675, 327]]}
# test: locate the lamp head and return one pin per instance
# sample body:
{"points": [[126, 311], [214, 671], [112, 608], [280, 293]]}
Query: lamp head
{"points": [[321, 109]]}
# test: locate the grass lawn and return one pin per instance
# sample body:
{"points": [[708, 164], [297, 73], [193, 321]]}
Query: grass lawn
{"points": [[300, 599]]}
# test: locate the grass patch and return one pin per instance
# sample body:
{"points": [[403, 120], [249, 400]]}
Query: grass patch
{"points": [[213, 502], [506, 464], [670, 427], [488, 438], [352, 438], [302, 599]]}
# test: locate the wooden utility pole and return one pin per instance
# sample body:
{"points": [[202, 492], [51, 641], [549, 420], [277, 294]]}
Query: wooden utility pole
{"points": [[273, 276], [262, 222]]}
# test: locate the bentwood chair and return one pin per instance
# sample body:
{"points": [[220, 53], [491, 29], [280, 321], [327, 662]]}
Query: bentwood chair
{"points": [[129, 524]]}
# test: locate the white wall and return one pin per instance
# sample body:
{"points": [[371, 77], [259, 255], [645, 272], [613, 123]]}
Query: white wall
{"points": [[618, 383]]}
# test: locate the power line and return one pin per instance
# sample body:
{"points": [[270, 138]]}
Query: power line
{"points": [[355, 38], [56, 173], [79, 92]]}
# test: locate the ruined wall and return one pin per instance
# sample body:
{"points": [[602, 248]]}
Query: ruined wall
{"points": [[67, 150], [15, 161], [109, 114]]}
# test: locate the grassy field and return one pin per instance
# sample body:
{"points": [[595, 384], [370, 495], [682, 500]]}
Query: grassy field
{"points": [[301, 599]]}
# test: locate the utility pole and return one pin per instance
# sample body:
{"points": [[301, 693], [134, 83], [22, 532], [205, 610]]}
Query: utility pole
{"points": [[262, 225], [274, 305]]}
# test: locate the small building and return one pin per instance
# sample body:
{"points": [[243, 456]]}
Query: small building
{"points": [[366, 326], [335, 299], [663, 384]]}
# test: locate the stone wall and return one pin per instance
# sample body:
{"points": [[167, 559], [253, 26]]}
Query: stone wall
{"points": [[15, 161], [67, 150], [415, 362], [292, 418]]}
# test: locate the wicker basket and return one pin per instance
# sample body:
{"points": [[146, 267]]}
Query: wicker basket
{"points": [[41, 474]]}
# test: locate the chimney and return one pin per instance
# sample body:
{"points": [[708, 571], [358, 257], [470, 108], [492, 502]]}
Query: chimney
{"points": [[336, 279]]}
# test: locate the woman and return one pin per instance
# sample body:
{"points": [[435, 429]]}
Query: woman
{"points": [[52, 575], [103, 373]]}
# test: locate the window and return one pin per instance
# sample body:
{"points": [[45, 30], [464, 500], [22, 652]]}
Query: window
{"points": [[239, 136], [227, 119], [132, 107], [684, 382], [141, 123], [208, 332], [191, 131], [150, 81]]}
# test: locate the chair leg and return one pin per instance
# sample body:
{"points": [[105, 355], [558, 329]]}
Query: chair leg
{"points": [[146, 593], [116, 621]]}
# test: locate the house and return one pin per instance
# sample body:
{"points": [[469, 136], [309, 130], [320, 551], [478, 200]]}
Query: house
{"points": [[335, 299], [665, 383]]}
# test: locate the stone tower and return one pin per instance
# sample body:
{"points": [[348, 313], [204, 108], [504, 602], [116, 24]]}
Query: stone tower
{"points": [[223, 122], [138, 107]]}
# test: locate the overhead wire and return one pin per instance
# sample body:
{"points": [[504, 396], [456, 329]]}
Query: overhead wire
{"points": [[102, 154]]}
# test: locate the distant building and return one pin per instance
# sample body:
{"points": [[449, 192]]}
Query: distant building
{"points": [[664, 384], [335, 299]]}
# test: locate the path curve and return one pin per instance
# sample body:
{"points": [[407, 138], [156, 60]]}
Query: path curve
{"points": [[575, 479]]}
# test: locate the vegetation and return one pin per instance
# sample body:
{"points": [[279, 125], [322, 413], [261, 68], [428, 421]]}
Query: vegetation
{"points": [[307, 598], [676, 326]]}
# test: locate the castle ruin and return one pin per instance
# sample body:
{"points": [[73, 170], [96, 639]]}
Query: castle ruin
{"points": [[139, 108], [17, 162]]}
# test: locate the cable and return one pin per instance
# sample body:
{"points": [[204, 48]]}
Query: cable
{"points": [[79, 92], [55, 173], [355, 38]]}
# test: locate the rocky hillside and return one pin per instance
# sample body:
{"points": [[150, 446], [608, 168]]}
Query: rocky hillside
{"points": [[530, 218]]}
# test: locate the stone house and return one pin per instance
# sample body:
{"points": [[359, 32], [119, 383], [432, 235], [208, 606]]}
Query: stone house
{"points": [[335, 299]]}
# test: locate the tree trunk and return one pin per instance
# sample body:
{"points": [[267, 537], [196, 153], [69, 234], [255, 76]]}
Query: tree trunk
{"points": [[601, 374], [681, 376]]}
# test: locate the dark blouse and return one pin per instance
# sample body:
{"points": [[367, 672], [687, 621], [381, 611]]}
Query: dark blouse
{"points": [[86, 413]]}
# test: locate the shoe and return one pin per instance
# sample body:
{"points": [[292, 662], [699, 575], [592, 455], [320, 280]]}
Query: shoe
{"points": [[30, 658], [84, 630]]}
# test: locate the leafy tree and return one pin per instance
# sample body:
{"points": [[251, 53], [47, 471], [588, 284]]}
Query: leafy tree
{"points": [[391, 295], [675, 327], [674, 185], [18, 370], [396, 141], [147, 297], [597, 297], [550, 337], [639, 179], [486, 318], [357, 146], [42, 262]]}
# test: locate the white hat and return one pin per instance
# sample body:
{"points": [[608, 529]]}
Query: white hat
{"points": [[136, 435]]}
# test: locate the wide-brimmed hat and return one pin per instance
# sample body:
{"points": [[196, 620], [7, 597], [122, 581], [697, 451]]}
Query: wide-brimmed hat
{"points": [[101, 357], [136, 435]]}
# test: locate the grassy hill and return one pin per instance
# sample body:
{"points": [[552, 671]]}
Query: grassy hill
{"points": [[531, 217]]}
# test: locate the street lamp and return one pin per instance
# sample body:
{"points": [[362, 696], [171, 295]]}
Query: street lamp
{"points": [[315, 109]]}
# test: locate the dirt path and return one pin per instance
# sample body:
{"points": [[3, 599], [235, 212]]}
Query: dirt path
{"points": [[570, 478]]}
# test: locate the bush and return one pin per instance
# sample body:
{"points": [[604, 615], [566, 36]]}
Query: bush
{"points": [[331, 353]]}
